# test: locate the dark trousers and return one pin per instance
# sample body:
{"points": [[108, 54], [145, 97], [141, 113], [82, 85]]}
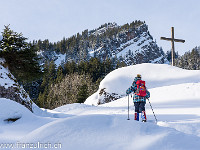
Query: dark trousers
{"points": [[139, 106]]}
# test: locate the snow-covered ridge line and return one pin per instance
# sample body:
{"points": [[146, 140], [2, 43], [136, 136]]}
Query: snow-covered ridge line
{"points": [[129, 46], [103, 29], [138, 48]]}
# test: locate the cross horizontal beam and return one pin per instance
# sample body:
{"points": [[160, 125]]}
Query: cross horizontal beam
{"points": [[170, 39]]}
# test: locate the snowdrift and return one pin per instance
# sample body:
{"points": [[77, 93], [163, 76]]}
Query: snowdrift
{"points": [[11, 109], [175, 98], [155, 75], [109, 132], [16, 121]]}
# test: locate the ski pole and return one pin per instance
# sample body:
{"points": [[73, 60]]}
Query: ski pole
{"points": [[128, 108], [153, 111]]}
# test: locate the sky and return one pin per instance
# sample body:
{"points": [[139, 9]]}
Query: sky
{"points": [[55, 19]]}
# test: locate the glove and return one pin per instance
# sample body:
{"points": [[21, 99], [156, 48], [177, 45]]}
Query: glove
{"points": [[148, 94], [127, 92]]}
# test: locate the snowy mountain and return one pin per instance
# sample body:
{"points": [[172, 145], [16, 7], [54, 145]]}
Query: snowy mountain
{"points": [[175, 99], [133, 46], [129, 43]]}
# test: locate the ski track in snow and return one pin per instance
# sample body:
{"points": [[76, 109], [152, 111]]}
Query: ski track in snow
{"points": [[175, 98]]}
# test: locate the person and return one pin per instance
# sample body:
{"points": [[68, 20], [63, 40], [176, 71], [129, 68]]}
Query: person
{"points": [[139, 101]]}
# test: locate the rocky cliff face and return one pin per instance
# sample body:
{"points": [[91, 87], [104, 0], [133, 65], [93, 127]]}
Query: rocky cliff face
{"points": [[14, 94], [10, 89]]}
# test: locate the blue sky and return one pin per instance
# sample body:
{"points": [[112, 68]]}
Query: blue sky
{"points": [[55, 19]]}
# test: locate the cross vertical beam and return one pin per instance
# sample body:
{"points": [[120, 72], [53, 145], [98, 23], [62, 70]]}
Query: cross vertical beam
{"points": [[172, 39], [173, 50]]}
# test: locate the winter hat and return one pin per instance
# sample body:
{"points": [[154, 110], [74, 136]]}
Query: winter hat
{"points": [[139, 76]]}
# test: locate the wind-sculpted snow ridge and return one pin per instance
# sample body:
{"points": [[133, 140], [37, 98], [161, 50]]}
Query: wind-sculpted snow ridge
{"points": [[155, 75]]}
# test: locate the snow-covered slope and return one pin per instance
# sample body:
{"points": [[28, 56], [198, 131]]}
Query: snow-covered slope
{"points": [[7, 110], [103, 29], [10, 89], [175, 99], [141, 49], [12, 131], [110, 132], [155, 75], [51, 56], [136, 46], [5, 76], [130, 44]]}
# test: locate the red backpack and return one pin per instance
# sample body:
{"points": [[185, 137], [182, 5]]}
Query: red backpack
{"points": [[141, 88]]}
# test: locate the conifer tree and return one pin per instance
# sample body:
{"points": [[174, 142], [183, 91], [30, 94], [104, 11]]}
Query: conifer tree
{"points": [[20, 56], [59, 75], [82, 93], [49, 75]]}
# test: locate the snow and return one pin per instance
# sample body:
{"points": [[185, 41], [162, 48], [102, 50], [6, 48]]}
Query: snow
{"points": [[1, 37], [103, 29], [92, 52], [11, 132], [60, 59], [137, 45], [51, 55], [175, 99], [5, 79], [134, 47], [7, 112], [157, 59], [158, 75]]}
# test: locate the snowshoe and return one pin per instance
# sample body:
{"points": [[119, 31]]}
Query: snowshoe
{"points": [[143, 116]]}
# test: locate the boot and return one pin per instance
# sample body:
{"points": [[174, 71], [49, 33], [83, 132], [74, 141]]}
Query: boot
{"points": [[143, 116], [136, 116]]}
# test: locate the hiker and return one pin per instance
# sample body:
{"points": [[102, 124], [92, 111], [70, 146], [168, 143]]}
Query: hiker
{"points": [[140, 96]]}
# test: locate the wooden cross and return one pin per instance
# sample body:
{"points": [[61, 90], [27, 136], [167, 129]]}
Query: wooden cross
{"points": [[172, 39]]}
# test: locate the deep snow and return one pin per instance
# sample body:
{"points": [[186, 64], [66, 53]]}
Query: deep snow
{"points": [[175, 99], [155, 75]]}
